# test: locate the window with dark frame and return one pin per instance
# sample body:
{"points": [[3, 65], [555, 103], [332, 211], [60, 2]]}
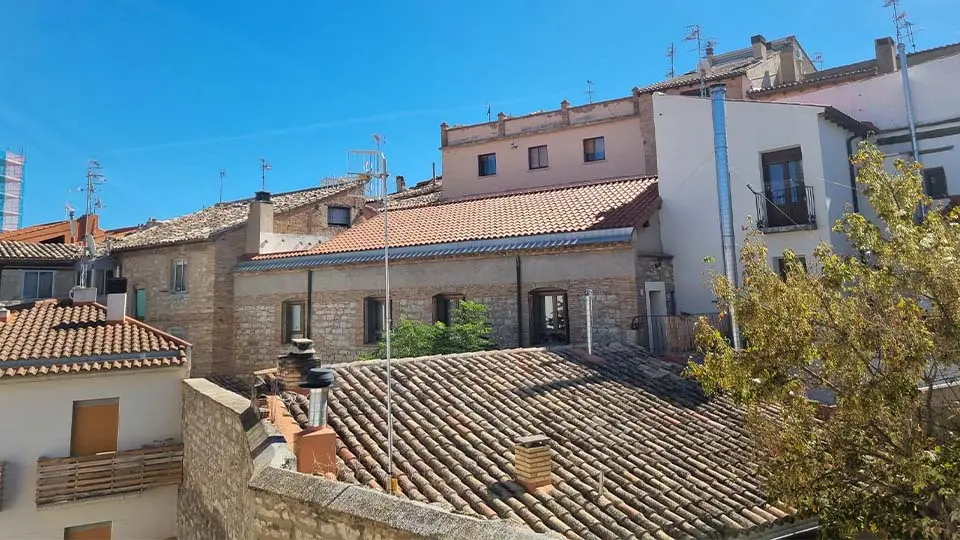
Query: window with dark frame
{"points": [[537, 157], [374, 318], [782, 265], [178, 277], [338, 216], [593, 150], [549, 324], [37, 284], [487, 164], [784, 191], [445, 307], [293, 320], [935, 182], [140, 303]]}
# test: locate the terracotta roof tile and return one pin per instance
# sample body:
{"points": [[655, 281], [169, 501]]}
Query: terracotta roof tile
{"points": [[41, 338], [14, 250], [424, 193], [676, 465], [611, 204], [717, 72], [210, 221]]}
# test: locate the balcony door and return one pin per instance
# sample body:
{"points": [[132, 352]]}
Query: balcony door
{"points": [[783, 188]]}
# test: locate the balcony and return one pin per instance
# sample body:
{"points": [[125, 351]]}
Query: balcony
{"points": [[62, 480], [783, 210]]}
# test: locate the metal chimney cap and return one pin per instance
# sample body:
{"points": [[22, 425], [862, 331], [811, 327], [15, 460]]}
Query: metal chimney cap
{"points": [[319, 378], [263, 196]]}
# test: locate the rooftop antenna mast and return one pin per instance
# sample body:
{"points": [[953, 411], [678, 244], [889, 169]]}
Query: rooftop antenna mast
{"points": [[672, 55], [223, 173], [695, 33], [904, 30], [590, 91], [489, 113], [370, 168], [264, 167], [817, 60]]}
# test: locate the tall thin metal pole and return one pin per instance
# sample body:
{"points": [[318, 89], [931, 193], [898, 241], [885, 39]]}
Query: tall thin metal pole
{"points": [[388, 319], [908, 98], [589, 300], [223, 172]]}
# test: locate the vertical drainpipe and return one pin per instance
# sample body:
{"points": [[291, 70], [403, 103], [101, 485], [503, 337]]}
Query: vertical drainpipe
{"points": [[309, 317], [728, 241], [519, 305]]}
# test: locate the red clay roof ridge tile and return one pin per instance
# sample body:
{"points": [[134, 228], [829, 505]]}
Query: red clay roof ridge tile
{"points": [[544, 189]]}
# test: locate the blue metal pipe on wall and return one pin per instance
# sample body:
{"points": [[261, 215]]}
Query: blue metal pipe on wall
{"points": [[728, 240]]}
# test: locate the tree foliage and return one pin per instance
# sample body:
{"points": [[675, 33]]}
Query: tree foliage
{"points": [[469, 331], [873, 326]]}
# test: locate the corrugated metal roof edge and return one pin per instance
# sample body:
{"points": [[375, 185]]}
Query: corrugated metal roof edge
{"points": [[516, 243]]}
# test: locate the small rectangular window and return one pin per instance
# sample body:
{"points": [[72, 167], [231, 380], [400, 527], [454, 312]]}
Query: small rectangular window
{"points": [[487, 164], [537, 157], [445, 307], [93, 531], [338, 216], [178, 277], [549, 324], [782, 265], [96, 424], [374, 319], [293, 321], [140, 304], [593, 150], [37, 284], [935, 182]]}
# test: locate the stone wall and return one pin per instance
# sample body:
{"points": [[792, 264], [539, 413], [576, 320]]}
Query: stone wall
{"points": [[337, 313], [239, 483], [312, 218]]}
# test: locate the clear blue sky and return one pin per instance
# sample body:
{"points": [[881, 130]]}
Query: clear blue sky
{"points": [[165, 93]]}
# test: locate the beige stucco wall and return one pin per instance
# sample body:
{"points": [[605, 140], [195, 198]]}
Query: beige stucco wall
{"points": [[689, 220], [40, 427], [619, 122]]}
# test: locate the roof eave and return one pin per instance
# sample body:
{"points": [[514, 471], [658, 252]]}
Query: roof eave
{"points": [[845, 121]]}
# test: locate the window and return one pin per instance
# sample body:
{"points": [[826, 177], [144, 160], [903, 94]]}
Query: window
{"points": [[487, 164], [593, 150], [95, 426], [94, 531], [178, 277], [782, 265], [338, 216], [549, 324], [785, 197], [293, 320], [374, 319], [537, 157], [140, 304], [935, 182], [37, 284], [445, 307]]}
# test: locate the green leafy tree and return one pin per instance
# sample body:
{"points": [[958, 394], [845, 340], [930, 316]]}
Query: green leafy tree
{"points": [[469, 332], [874, 326]]}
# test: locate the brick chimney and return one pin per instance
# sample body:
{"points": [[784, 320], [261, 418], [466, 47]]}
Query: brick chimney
{"points": [[533, 462], [4, 314], [886, 52], [788, 63], [316, 446], [116, 299], [401, 184], [297, 363], [759, 45], [259, 222]]}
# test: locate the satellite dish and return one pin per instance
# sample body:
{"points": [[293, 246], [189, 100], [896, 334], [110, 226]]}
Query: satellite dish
{"points": [[91, 247]]}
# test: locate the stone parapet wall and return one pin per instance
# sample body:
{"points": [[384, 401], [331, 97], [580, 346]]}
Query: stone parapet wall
{"points": [[240, 484]]}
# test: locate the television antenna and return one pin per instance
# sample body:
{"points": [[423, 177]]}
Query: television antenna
{"points": [[904, 27], [695, 33], [589, 91], [264, 167], [817, 60], [223, 174], [672, 55], [489, 113], [370, 168]]}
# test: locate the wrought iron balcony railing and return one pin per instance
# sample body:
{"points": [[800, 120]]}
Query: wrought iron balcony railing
{"points": [[786, 209]]}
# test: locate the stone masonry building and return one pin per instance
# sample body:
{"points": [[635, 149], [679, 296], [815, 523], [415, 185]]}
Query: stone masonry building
{"points": [[179, 270], [529, 256]]}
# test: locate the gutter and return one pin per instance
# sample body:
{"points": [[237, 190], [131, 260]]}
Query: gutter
{"points": [[309, 301], [50, 362]]}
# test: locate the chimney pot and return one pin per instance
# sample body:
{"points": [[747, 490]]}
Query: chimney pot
{"points": [[4, 314], [886, 55], [533, 462], [296, 364], [116, 299], [401, 184], [263, 196], [564, 104]]}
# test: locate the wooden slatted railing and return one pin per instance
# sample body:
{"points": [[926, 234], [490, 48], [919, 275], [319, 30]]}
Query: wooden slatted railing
{"points": [[1, 485], [61, 480]]}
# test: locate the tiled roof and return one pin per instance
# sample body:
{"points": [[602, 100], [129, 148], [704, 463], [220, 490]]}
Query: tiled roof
{"points": [[611, 204], [717, 72], [204, 224], [675, 464], [832, 76], [13, 250], [43, 337], [423, 194]]}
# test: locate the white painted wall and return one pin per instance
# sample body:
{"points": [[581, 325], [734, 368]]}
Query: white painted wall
{"points": [[624, 157], [38, 423], [689, 219]]}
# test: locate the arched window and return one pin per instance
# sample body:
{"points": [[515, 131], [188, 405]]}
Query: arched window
{"points": [[445, 306], [549, 317]]}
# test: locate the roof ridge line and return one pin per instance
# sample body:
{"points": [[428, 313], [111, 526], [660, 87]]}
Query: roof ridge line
{"points": [[545, 189]]}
